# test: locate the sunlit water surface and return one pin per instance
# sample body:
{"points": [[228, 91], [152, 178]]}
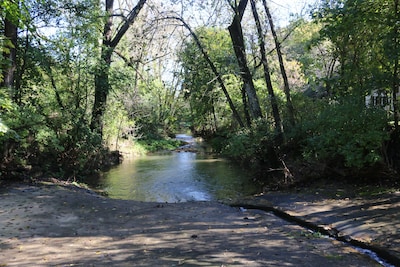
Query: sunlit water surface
{"points": [[177, 177]]}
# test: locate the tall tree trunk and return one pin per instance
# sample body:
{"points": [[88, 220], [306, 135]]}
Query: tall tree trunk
{"points": [[10, 53], [267, 76], [396, 71], [214, 70], [21, 70], [246, 108], [236, 33], [286, 87], [102, 87], [102, 84]]}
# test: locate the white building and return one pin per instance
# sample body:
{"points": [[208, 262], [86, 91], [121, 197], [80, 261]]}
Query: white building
{"points": [[381, 99]]}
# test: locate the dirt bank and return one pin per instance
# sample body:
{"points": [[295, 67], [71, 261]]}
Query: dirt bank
{"points": [[54, 225]]}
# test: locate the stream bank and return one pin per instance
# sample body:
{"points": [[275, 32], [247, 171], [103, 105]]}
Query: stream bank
{"points": [[57, 224]]}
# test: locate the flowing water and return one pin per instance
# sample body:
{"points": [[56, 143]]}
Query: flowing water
{"points": [[177, 177]]}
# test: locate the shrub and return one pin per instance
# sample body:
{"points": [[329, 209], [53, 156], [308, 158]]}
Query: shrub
{"points": [[347, 131], [254, 145]]}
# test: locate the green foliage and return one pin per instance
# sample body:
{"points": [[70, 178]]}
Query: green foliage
{"points": [[3, 128], [154, 145], [6, 106], [158, 112], [117, 124], [208, 105], [341, 133], [12, 10], [305, 47], [56, 145], [44, 118], [345, 132], [307, 108], [365, 44], [255, 145], [81, 153]]}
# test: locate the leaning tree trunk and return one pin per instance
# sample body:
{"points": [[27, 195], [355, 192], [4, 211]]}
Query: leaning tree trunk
{"points": [[102, 84], [236, 33], [289, 104], [264, 61]]}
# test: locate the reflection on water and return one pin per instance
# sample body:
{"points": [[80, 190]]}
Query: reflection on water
{"points": [[177, 177]]}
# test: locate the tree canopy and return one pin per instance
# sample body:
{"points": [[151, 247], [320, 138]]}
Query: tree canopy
{"points": [[82, 78]]}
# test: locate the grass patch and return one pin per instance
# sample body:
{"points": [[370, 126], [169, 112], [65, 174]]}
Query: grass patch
{"points": [[153, 145]]}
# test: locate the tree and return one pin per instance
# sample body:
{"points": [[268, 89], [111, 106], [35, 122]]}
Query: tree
{"points": [[11, 18], [365, 40], [9, 54], [393, 54], [109, 43], [362, 39], [215, 72], [236, 33], [264, 62], [314, 56], [205, 62], [286, 87], [48, 117]]}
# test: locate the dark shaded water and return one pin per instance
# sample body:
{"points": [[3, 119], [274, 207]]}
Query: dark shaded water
{"points": [[177, 177]]}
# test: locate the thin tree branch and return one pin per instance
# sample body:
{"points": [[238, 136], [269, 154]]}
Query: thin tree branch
{"points": [[213, 68]]}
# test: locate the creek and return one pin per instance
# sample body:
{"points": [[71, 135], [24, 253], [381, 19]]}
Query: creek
{"points": [[188, 176], [177, 177]]}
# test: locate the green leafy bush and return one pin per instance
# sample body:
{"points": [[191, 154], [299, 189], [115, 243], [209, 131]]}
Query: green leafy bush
{"points": [[48, 144], [347, 132], [254, 145]]}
